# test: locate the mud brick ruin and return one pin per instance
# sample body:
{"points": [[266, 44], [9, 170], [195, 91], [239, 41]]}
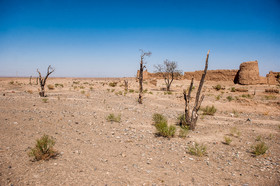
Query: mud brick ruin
{"points": [[248, 74]]}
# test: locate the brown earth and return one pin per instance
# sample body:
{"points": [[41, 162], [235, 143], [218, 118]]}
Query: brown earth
{"points": [[96, 152]]}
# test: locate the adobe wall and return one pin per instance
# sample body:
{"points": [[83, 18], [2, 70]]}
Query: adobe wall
{"points": [[248, 73], [273, 78], [212, 75]]}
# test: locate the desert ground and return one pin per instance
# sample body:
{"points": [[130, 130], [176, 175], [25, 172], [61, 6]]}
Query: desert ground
{"points": [[94, 151]]}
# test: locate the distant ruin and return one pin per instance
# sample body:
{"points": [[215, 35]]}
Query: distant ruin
{"points": [[248, 74]]}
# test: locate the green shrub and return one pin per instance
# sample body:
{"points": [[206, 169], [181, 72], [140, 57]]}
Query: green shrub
{"points": [[168, 93], [270, 97], [218, 87], [228, 140], [83, 92], [113, 84], [119, 93], [209, 110], [113, 118], [43, 149], [246, 96], [159, 118], [197, 150], [58, 85], [183, 132], [229, 98], [45, 100], [260, 148], [164, 130], [232, 89], [218, 97], [131, 90]]}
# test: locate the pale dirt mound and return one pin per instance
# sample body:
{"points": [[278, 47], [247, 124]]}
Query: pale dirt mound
{"points": [[96, 152]]}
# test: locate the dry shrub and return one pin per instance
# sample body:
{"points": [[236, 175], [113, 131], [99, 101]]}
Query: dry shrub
{"points": [[241, 90], [51, 87], [209, 110], [44, 149], [272, 90], [153, 82], [29, 91]]}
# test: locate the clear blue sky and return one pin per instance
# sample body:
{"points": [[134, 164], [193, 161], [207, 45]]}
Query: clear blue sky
{"points": [[102, 38]]}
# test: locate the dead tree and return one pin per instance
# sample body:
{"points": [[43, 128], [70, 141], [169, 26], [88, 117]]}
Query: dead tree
{"points": [[169, 71], [191, 117], [140, 76], [126, 85], [30, 78], [43, 80]]}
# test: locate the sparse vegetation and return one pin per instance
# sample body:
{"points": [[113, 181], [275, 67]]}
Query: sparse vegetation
{"points": [[113, 118], [260, 148], [217, 87], [159, 118], [29, 91], [197, 149], [162, 127], [164, 130], [230, 98], [272, 90], [113, 84], [232, 89], [44, 149], [246, 96], [45, 100], [183, 132], [218, 97], [258, 138], [131, 91], [241, 90], [59, 85], [209, 110], [235, 132], [11, 82], [270, 97], [228, 140], [83, 92], [168, 93]]}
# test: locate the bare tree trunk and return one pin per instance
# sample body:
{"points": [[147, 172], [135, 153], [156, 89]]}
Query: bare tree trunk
{"points": [[37, 79], [126, 85], [141, 81], [43, 80], [30, 83], [191, 119]]}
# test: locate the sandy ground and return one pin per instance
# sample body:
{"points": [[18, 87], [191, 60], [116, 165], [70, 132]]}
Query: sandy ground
{"points": [[93, 151]]}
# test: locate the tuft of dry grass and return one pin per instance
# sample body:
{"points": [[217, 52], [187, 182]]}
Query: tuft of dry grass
{"points": [[228, 140], [113, 118], [259, 148], [197, 149]]}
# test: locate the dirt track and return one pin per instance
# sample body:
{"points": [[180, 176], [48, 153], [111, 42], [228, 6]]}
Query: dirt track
{"points": [[96, 152]]}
